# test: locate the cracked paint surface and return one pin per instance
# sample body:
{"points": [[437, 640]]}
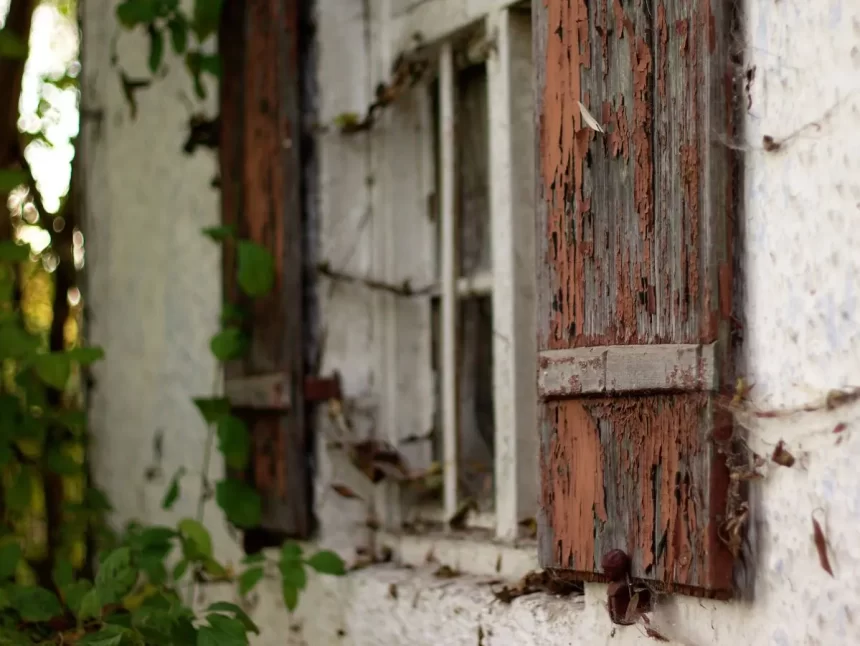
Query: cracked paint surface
{"points": [[637, 243]]}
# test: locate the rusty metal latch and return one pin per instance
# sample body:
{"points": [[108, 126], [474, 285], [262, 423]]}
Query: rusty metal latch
{"points": [[271, 392], [320, 389]]}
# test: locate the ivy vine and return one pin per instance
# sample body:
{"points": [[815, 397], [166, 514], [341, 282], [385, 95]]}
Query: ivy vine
{"points": [[143, 588]]}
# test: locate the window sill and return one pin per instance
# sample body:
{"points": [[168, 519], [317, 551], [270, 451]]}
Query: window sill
{"points": [[473, 552]]}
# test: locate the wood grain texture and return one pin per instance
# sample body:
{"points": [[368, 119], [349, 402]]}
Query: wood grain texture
{"points": [[259, 392], [261, 196], [625, 369], [634, 249]]}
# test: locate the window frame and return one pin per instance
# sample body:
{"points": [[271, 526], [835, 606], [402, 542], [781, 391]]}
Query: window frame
{"points": [[512, 144]]}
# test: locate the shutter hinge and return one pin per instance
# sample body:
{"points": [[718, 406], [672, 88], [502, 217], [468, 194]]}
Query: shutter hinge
{"points": [[319, 389], [271, 392]]}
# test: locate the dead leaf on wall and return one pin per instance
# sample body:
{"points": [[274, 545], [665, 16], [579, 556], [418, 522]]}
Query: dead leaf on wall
{"points": [[821, 546], [782, 456]]}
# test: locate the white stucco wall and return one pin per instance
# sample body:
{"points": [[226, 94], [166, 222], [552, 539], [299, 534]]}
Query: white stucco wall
{"points": [[154, 297]]}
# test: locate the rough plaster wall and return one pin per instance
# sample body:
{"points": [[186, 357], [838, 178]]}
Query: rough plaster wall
{"points": [[153, 288], [154, 295]]}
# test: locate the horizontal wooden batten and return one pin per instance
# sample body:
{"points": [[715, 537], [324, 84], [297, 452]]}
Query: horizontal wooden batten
{"points": [[626, 369], [259, 392]]}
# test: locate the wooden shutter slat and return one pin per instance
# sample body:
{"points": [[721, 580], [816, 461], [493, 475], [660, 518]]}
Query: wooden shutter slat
{"points": [[259, 392], [634, 286], [626, 368], [261, 196]]}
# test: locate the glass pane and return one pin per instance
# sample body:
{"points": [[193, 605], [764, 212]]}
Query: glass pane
{"points": [[473, 171], [477, 422], [472, 141], [475, 389]]}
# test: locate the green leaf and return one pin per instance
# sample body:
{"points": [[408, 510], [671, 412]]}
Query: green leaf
{"points": [[293, 574], [327, 562], [222, 631], [213, 567], [10, 555], [86, 356], [172, 494], [63, 574], [6, 454], [73, 420], [249, 579], [232, 314], [220, 234], [33, 603], [234, 442], [291, 596], [236, 611], [19, 494], [241, 503], [97, 501], [193, 61], [155, 624], [135, 12], [211, 63], [12, 46], [61, 463], [178, 34], [212, 409], [11, 251], [291, 551], [184, 631], [179, 569], [207, 15], [229, 344], [10, 637], [197, 542], [116, 576], [156, 48], [75, 593], [16, 343], [156, 536], [253, 559], [53, 368], [109, 635], [256, 270]]}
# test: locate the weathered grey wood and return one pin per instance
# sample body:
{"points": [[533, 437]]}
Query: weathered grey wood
{"points": [[634, 235], [259, 392], [627, 369]]}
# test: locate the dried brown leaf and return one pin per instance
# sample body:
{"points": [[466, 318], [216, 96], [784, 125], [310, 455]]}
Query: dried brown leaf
{"points": [[538, 581], [530, 526], [821, 546], [446, 572], [782, 456], [746, 474], [632, 609], [654, 634], [836, 398], [346, 492], [458, 520], [770, 144]]}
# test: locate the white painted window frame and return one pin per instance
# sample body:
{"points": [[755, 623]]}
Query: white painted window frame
{"points": [[511, 281]]}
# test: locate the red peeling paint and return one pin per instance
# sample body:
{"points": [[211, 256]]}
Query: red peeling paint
{"points": [[576, 502], [634, 255]]}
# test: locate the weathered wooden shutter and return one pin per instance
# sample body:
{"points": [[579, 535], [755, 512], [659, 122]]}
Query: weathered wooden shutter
{"points": [[261, 196], [635, 286]]}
